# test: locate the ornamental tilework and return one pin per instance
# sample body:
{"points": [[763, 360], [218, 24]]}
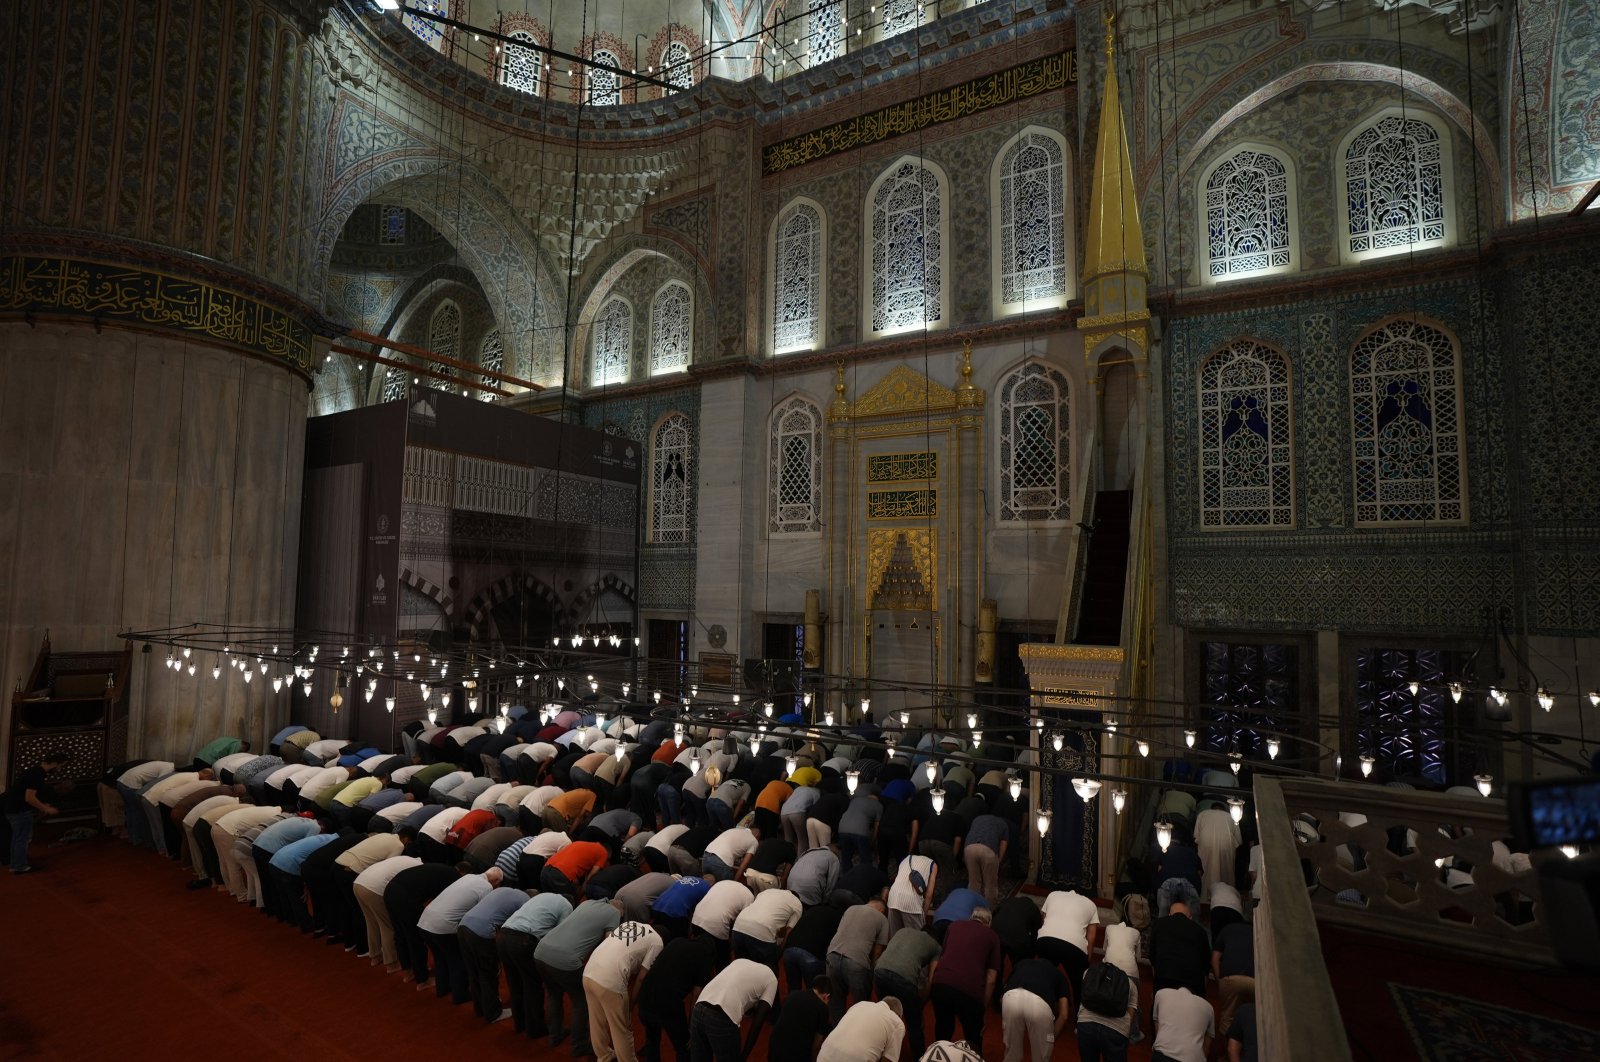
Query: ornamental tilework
{"points": [[666, 578]]}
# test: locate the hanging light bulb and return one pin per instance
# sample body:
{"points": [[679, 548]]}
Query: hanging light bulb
{"points": [[790, 765], [866, 707], [1041, 821], [600, 721], [1111, 725], [1485, 783], [636, 641], [1594, 698], [932, 768], [977, 738], [936, 799], [561, 684], [627, 688], [622, 751], [505, 710], [1014, 787], [596, 641], [1087, 788], [1236, 809], [171, 661], [1235, 761], [277, 683], [367, 694], [1414, 686], [336, 701], [519, 682], [306, 687], [905, 718], [433, 716], [555, 643], [262, 665], [594, 687], [805, 699], [694, 762], [378, 666], [188, 651], [444, 669], [677, 733], [1366, 766], [1499, 695], [755, 745], [577, 641], [827, 718], [191, 669], [472, 705], [1272, 748], [1144, 748], [1570, 851], [248, 675], [1058, 741], [972, 721], [1188, 738], [427, 691], [1456, 690], [694, 690], [616, 641], [736, 700], [1546, 701], [766, 709], [656, 696], [388, 702], [500, 724], [1119, 800], [852, 779], [1164, 835]]}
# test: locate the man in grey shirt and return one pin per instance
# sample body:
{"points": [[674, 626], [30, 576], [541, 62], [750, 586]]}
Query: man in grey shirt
{"points": [[814, 876], [986, 843], [559, 959], [858, 827], [862, 934], [640, 894]]}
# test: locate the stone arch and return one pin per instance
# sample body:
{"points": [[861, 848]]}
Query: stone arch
{"points": [[463, 205], [608, 583], [407, 305], [629, 252], [1549, 106], [477, 614], [437, 594]]}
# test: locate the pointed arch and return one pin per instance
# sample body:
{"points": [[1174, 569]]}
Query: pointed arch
{"points": [[478, 611], [794, 467], [671, 487], [1396, 174], [1246, 432], [671, 328], [612, 357], [797, 250], [1249, 214], [906, 249], [1030, 219]]}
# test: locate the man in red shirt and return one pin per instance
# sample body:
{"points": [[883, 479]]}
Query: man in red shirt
{"points": [[571, 868], [964, 980], [469, 826]]}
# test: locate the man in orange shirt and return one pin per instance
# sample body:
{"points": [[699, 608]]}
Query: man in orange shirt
{"points": [[570, 811], [769, 805], [569, 870]]}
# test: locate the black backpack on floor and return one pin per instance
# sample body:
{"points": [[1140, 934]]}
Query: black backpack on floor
{"points": [[1105, 990]]}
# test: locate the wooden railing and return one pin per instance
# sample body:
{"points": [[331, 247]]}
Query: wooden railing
{"points": [[1297, 1016], [1440, 885]]}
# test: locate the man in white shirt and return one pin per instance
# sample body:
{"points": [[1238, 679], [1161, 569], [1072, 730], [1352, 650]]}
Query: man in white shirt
{"points": [[430, 837], [440, 920], [715, 914], [868, 1032], [368, 891], [129, 784], [1185, 1023], [321, 781], [611, 981], [727, 856], [744, 989], [759, 929], [1070, 932]]}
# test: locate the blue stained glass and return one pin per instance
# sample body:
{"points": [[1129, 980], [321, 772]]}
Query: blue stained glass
{"points": [[1406, 733], [1250, 691]]}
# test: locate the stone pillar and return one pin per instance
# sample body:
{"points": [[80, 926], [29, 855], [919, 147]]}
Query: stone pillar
{"points": [[156, 338], [969, 444], [841, 623]]}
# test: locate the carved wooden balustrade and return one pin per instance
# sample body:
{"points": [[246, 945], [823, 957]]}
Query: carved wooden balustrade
{"points": [[1441, 887]]}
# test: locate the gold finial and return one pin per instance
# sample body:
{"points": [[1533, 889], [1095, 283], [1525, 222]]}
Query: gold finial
{"points": [[1111, 33], [841, 405], [966, 361], [967, 395], [838, 387]]}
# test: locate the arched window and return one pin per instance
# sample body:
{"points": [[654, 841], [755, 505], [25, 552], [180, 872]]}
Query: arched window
{"points": [[1246, 475], [1395, 172], [671, 328], [827, 31], [521, 67], [794, 468], [444, 330], [1035, 445], [677, 67], [492, 356], [900, 15], [1405, 386], [613, 342], [797, 291], [1030, 214], [671, 460], [906, 249], [394, 384], [1248, 215], [604, 89]]}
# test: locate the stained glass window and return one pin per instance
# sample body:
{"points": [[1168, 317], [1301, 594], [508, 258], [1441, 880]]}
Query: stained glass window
{"points": [[794, 467], [671, 460], [392, 225], [671, 328], [1247, 215], [907, 223], [613, 342], [492, 356], [900, 15], [604, 88], [1246, 474], [1405, 383], [521, 67], [1408, 734], [677, 69], [444, 330], [797, 280], [827, 31], [1394, 176], [427, 30], [1033, 212], [1035, 445], [1249, 691]]}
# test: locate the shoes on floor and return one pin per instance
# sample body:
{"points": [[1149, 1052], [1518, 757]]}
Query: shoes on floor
{"points": [[504, 1014], [24, 870]]}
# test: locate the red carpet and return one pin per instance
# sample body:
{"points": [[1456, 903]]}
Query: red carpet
{"points": [[107, 952]]}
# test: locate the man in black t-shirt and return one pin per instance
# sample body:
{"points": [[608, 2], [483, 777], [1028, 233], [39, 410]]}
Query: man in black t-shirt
{"points": [[802, 1024], [25, 797], [1034, 1007], [683, 966], [1180, 952], [805, 952]]}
